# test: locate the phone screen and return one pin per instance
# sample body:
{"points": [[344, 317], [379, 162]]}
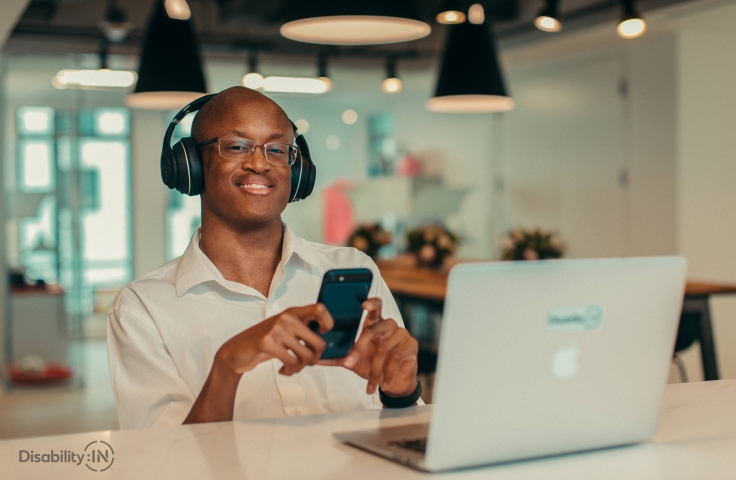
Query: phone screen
{"points": [[343, 292]]}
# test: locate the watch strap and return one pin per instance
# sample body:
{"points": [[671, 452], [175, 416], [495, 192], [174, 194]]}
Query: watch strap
{"points": [[401, 402]]}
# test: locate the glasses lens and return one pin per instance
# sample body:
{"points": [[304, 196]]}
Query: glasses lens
{"points": [[236, 148], [280, 153]]}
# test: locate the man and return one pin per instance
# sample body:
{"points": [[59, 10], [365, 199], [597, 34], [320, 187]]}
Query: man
{"points": [[222, 332]]}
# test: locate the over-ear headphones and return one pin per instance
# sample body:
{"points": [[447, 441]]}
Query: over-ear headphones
{"points": [[181, 165]]}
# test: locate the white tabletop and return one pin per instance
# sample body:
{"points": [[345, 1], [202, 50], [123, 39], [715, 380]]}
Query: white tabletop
{"points": [[696, 439]]}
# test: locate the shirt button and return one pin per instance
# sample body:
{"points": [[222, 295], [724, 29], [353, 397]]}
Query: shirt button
{"points": [[297, 411]]}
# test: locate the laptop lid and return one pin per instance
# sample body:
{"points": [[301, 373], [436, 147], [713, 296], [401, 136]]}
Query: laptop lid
{"points": [[547, 357]]}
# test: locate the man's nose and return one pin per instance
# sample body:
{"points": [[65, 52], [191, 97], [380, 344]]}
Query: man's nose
{"points": [[257, 160]]}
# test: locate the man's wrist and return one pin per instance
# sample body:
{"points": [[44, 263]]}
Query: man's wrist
{"points": [[404, 401], [406, 392], [222, 370]]}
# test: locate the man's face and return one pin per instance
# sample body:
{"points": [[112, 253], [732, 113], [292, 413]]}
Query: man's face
{"points": [[253, 191]]}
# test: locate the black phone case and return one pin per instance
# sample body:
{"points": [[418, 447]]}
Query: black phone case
{"points": [[342, 292]]}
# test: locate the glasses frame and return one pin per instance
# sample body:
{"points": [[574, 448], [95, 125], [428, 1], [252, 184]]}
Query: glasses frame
{"points": [[255, 145]]}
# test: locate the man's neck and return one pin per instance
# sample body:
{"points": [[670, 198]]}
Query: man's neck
{"points": [[248, 254]]}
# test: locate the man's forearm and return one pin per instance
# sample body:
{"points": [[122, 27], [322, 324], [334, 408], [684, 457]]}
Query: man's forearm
{"points": [[216, 401]]}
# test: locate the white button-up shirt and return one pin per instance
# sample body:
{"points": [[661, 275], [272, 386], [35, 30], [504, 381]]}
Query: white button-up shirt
{"points": [[165, 327]]}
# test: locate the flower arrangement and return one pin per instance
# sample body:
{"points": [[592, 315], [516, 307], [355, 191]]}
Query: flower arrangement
{"points": [[432, 244], [533, 244], [369, 238]]}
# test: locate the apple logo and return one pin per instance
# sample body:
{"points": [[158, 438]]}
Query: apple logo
{"points": [[565, 361]]}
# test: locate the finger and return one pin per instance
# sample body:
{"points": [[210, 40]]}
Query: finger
{"points": [[383, 329], [362, 349], [361, 355], [332, 362], [297, 330], [378, 363], [317, 312], [289, 360], [406, 352], [398, 363], [305, 355], [373, 307]]}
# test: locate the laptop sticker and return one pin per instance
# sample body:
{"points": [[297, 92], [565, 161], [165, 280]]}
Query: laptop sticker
{"points": [[583, 317]]}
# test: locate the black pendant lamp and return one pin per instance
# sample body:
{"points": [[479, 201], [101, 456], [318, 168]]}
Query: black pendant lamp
{"points": [[470, 79], [170, 73], [354, 22]]}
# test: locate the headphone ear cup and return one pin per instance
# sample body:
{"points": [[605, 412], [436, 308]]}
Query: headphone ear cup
{"points": [[189, 178], [303, 172], [168, 168], [308, 181], [196, 172], [297, 171]]}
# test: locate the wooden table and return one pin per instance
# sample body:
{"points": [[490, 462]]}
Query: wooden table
{"points": [[413, 285]]}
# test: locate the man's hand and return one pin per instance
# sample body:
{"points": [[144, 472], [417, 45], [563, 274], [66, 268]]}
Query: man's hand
{"points": [[285, 336], [384, 354]]}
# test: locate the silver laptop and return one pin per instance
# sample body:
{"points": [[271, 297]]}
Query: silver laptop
{"points": [[544, 358]]}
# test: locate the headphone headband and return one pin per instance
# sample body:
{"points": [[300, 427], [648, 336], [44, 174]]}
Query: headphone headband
{"points": [[192, 107]]}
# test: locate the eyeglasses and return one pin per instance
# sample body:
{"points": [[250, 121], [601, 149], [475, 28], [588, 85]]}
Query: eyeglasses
{"points": [[240, 150]]}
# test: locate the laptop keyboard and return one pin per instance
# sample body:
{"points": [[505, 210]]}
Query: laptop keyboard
{"points": [[417, 445]]}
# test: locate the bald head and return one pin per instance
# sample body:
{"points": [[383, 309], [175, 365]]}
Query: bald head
{"points": [[230, 110]]}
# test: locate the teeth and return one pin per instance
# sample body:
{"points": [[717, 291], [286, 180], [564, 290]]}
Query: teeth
{"points": [[254, 185]]}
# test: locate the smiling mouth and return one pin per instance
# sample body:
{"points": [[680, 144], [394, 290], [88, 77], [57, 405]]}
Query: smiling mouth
{"points": [[254, 186]]}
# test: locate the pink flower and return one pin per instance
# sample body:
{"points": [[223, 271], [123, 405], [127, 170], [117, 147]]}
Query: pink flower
{"points": [[556, 243], [508, 243], [427, 254], [530, 254], [361, 243]]}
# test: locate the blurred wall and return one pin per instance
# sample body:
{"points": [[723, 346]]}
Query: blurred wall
{"points": [[627, 148], [589, 150], [12, 9], [149, 197], [707, 166]]}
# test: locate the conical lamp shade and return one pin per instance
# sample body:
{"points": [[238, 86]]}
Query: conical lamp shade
{"points": [[170, 74], [470, 79], [354, 22]]}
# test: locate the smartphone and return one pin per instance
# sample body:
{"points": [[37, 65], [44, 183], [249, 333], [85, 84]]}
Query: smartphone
{"points": [[343, 292]]}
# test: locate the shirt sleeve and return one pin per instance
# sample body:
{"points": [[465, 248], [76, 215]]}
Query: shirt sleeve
{"points": [[390, 308], [146, 383]]}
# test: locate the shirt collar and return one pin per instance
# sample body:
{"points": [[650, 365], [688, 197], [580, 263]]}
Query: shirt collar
{"points": [[196, 268]]}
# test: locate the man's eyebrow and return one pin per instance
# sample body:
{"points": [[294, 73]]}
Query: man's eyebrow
{"points": [[242, 134]]}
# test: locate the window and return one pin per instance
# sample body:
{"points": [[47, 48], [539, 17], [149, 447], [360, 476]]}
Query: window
{"points": [[37, 167], [73, 169]]}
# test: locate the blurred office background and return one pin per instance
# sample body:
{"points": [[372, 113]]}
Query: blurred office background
{"points": [[624, 147]]}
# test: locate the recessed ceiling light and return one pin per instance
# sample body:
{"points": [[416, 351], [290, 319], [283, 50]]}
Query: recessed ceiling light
{"points": [[94, 79], [632, 24], [177, 9], [302, 125], [253, 80], [295, 85], [548, 18], [350, 117], [333, 142], [392, 83]]}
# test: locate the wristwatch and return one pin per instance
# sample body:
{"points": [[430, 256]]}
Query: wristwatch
{"points": [[401, 402]]}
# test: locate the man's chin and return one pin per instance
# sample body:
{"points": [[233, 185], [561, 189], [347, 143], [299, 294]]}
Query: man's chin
{"points": [[249, 211], [254, 216]]}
